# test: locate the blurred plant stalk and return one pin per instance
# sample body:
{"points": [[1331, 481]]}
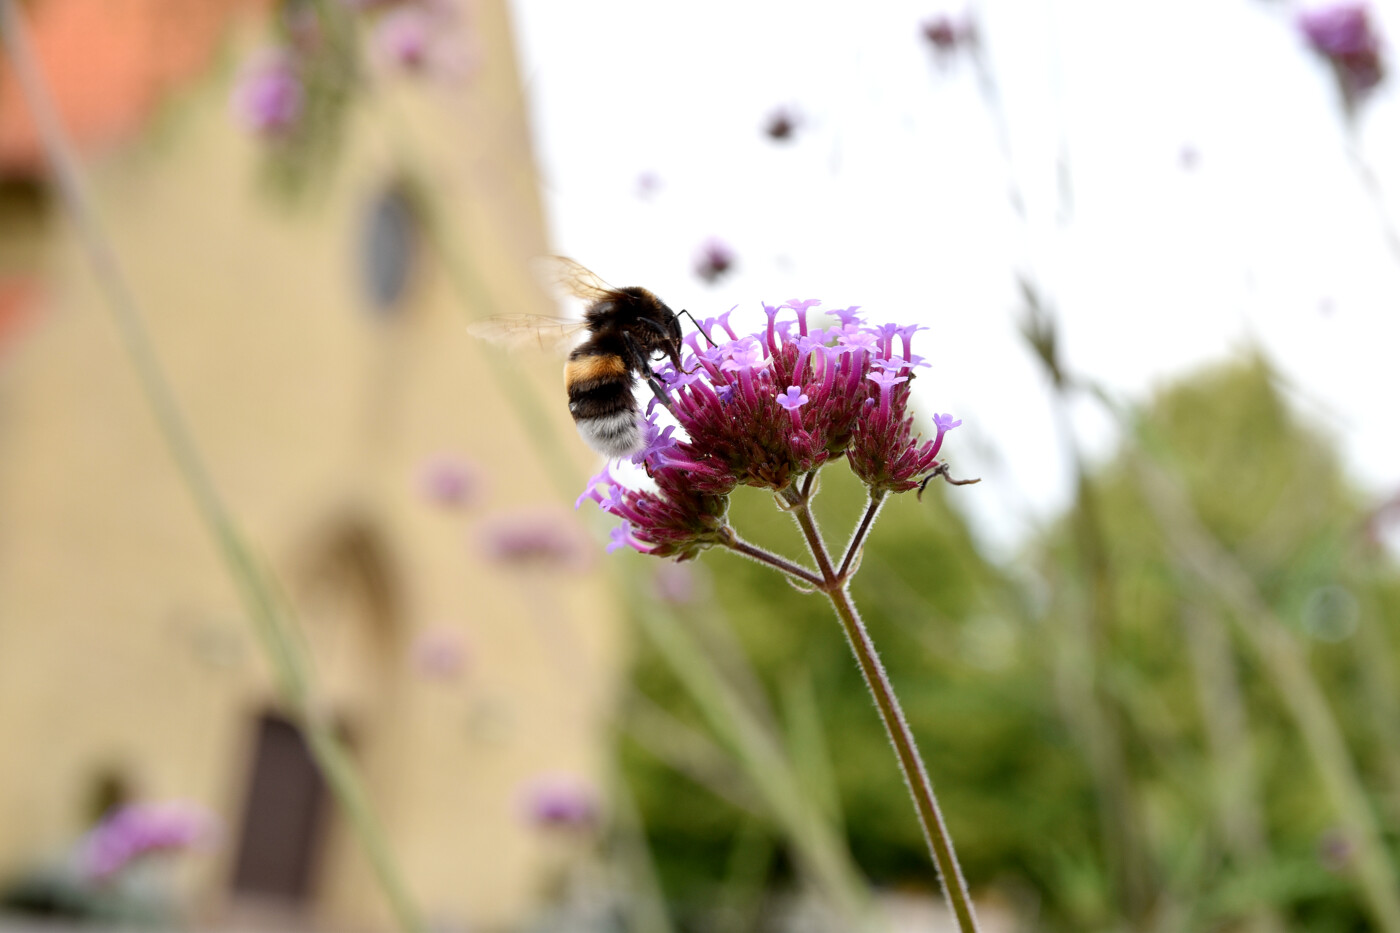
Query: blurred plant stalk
{"points": [[1207, 561], [1088, 708], [763, 761], [268, 614]]}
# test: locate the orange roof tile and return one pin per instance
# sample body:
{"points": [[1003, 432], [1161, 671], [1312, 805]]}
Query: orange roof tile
{"points": [[107, 63]]}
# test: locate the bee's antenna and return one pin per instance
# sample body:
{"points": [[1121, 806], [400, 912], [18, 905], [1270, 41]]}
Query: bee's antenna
{"points": [[698, 327]]}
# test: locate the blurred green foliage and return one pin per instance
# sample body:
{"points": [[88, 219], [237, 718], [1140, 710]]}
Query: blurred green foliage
{"points": [[1109, 754]]}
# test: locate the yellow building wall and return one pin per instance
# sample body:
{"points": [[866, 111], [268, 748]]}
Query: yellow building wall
{"points": [[122, 639]]}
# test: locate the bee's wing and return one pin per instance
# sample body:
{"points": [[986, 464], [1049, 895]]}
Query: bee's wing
{"points": [[570, 278], [528, 330]]}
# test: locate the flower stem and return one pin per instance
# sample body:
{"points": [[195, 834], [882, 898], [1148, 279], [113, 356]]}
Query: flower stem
{"points": [[916, 778], [797, 505], [940, 843], [877, 499], [735, 543]]}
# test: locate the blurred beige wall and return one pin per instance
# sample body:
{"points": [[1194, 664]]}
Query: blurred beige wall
{"points": [[123, 644]]}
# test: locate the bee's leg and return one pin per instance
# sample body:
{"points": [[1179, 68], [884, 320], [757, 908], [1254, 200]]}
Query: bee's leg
{"points": [[643, 366]]}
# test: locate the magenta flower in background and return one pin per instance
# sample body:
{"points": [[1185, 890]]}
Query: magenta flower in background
{"points": [[648, 185], [544, 538], [426, 37], [450, 481], [1345, 35], [946, 34], [404, 36], [714, 259], [560, 802], [677, 584], [439, 653], [138, 830], [781, 125], [269, 98]]}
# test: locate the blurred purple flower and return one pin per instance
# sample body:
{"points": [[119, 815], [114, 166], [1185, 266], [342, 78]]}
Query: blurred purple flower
{"points": [[448, 480], [426, 37], [404, 36], [561, 802], [269, 98], [648, 184], [946, 34], [1344, 34], [542, 538], [781, 125], [676, 583], [714, 259], [1336, 851], [439, 653], [137, 830]]}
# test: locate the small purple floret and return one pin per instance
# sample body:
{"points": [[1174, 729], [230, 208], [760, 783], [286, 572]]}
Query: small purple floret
{"points": [[269, 98], [793, 399]]}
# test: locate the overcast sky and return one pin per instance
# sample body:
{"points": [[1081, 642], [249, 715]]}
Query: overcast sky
{"points": [[893, 195]]}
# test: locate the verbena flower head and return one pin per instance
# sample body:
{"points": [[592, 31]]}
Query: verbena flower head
{"points": [[439, 653], [561, 802], [427, 38], [946, 34], [1345, 35], [450, 481], [269, 97], [763, 409], [713, 260], [535, 538], [781, 125], [138, 830]]}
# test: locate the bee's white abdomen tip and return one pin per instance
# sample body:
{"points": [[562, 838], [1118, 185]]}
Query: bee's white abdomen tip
{"points": [[613, 435]]}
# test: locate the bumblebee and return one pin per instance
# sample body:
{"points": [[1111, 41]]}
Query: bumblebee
{"points": [[627, 328]]}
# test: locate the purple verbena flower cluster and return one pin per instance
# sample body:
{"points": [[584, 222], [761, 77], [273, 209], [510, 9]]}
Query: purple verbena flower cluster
{"points": [[763, 409], [138, 830]]}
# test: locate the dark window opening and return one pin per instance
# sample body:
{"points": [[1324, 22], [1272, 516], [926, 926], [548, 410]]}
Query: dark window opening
{"points": [[389, 246], [108, 790], [284, 818]]}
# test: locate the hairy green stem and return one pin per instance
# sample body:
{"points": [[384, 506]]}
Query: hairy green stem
{"points": [[776, 561], [872, 509], [916, 778], [258, 597]]}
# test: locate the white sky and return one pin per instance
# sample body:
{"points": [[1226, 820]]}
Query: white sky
{"points": [[892, 195]]}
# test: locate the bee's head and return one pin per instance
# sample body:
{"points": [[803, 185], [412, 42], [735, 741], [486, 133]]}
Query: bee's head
{"points": [[661, 327]]}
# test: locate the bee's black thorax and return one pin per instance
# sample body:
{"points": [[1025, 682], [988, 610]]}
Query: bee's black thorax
{"points": [[637, 314], [626, 328]]}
